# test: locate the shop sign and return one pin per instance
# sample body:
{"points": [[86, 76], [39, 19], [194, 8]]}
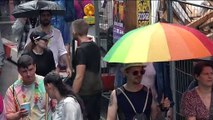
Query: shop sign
{"points": [[118, 16], [143, 12]]}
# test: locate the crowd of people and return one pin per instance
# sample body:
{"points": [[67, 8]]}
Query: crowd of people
{"points": [[41, 93]]}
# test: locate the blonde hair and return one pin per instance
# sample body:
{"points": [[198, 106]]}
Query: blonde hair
{"points": [[80, 27]]}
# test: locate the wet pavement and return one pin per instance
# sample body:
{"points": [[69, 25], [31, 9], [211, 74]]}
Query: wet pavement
{"points": [[8, 76]]}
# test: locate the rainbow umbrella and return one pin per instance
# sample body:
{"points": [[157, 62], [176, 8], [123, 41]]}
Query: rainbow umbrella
{"points": [[160, 42]]}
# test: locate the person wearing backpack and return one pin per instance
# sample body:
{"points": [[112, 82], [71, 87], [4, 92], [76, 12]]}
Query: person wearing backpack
{"points": [[133, 100]]}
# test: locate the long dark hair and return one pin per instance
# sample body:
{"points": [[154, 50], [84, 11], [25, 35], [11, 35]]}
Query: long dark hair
{"points": [[57, 81], [64, 90]]}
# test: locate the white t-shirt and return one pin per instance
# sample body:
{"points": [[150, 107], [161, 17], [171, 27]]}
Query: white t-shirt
{"points": [[67, 109], [148, 78], [55, 44]]}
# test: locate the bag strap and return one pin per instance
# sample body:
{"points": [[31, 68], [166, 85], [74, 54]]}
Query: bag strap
{"points": [[211, 107], [46, 106], [16, 102], [147, 95]]}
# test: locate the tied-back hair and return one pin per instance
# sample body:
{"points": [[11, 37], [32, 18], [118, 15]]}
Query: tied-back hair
{"points": [[64, 90], [57, 81]]}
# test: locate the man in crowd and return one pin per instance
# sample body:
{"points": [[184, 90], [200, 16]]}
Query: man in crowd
{"points": [[55, 44], [133, 99], [28, 88], [87, 82]]}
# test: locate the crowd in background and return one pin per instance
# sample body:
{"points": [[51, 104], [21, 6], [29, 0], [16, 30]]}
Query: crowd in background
{"points": [[144, 92]]}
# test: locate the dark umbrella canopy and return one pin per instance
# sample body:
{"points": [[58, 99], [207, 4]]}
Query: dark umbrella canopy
{"points": [[31, 9]]}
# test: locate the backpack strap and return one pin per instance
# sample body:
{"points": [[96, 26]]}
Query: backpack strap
{"points": [[46, 106], [147, 96], [16, 102]]}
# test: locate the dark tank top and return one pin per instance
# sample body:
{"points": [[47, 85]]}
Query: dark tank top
{"points": [[125, 110]]}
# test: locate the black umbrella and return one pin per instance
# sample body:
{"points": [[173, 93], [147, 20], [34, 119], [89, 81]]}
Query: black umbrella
{"points": [[31, 9]]}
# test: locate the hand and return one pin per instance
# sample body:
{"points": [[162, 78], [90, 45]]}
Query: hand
{"points": [[23, 113], [57, 70], [165, 104], [53, 103], [69, 72]]}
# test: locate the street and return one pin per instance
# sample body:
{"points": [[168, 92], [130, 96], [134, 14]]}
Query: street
{"points": [[8, 76]]}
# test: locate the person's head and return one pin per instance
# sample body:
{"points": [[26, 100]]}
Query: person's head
{"points": [[26, 68], [203, 73], [39, 39], [45, 17], [134, 72], [54, 82], [79, 28]]}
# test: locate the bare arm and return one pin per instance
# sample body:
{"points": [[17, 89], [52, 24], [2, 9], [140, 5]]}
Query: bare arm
{"points": [[67, 60], [80, 71], [112, 107], [154, 110]]}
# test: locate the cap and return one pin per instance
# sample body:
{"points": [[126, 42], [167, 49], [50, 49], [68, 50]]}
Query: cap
{"points": [[36, 35], [132, 65]]}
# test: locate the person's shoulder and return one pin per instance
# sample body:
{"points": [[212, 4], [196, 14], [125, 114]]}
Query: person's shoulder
{"points": [[39, 78], [17, 83], [47, 50], [145, 88], [190, 94], [56, 30], [69, 99]]}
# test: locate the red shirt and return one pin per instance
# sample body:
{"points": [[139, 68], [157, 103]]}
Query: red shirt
{"points": [[192, 105]]}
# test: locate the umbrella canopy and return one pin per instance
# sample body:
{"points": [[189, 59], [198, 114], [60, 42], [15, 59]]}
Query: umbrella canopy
{"points": [[160, 42], [31, 9]]}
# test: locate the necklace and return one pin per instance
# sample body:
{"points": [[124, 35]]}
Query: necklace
{"points": [[36, 94]]}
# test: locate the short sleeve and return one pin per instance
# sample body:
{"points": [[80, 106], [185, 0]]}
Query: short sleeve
{"points": [[9, 103], [61, 48], [81, 57], [72, 110], [187, 105]]}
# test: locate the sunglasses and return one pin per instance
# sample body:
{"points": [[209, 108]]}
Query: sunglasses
{"points": [[136, 72]]}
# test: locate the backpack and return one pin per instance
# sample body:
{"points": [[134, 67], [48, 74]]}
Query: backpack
{"points": [[137, 116]]}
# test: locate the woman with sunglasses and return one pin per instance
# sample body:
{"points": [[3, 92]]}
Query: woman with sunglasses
{"points": [[42, 56], [69, 106], [132, 99]]}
